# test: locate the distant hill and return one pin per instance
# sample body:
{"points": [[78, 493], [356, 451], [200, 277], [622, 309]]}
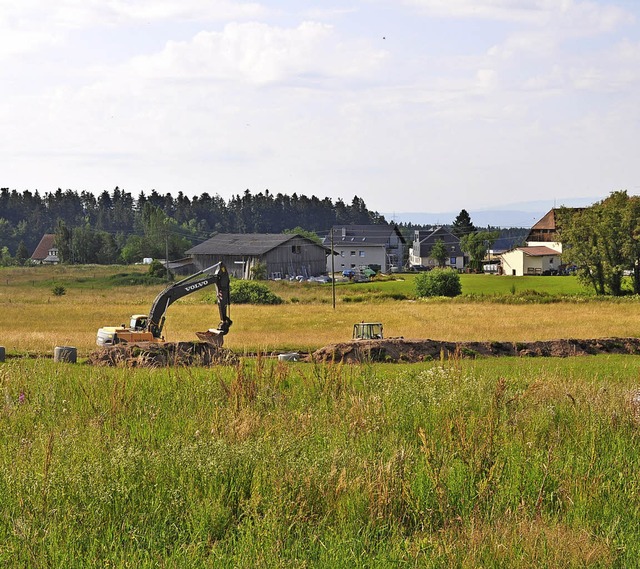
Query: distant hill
{"points": [[498, 218], [523, 214]]}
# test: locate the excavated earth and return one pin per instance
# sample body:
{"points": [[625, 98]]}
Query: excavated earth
{"points": [[150, 354], [401, 350], [392, 350]]}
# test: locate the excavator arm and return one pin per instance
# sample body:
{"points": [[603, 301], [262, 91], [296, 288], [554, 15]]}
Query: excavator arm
{"points": [[216, 274]]}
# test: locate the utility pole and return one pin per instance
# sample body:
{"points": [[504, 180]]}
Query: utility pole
{"points": [[333, 272], [166, 248]]}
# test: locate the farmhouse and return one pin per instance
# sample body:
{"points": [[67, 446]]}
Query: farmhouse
{"points": [[281, 255], [365, 245], [545, 232], [423, 242], [537, 260], [46, 253], [542, 253]]}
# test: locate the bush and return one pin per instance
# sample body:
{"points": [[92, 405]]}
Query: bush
{"points": [[252, 292], [135, 279], [158, 270], [58, 290], [438, 282]]}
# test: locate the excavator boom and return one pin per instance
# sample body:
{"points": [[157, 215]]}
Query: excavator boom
{"points": [[145, 329], [216, 274]]}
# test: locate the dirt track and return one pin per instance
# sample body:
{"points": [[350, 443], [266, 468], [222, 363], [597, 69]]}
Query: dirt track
{"points": [[401, 350]]}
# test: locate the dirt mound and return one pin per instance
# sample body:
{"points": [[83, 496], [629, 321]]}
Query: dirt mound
{"points": [[401, 350], [163, 355]]}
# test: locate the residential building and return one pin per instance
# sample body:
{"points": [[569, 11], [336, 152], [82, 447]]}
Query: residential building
{"points": [[423, 242], [358, 246], [281, 255], [46, 253], [542, 254], [536, 260], [545, 233]]}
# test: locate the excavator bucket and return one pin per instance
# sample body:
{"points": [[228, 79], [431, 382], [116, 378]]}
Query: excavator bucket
{"points": [[213, 337]]}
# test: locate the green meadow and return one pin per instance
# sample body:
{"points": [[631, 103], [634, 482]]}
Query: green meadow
{"points": [[512, 462], [501, 463]]}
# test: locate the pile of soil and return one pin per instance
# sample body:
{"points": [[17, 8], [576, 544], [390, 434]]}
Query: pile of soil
{"points": [[401, 350], [163, 355]]}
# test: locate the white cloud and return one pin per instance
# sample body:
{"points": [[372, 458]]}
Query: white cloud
{"points": [[29, 25], [578, 15], [258, 53]]}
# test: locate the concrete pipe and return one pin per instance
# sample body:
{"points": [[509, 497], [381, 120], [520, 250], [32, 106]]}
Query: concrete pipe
{"points": [[65, 354]]}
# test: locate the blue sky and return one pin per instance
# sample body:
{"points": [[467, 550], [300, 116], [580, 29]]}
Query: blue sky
{"points": [[412, 105]]}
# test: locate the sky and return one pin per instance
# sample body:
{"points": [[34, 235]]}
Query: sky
{"points": [[411, 105]]}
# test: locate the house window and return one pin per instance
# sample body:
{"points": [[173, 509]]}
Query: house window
{"points": [[353, 253], [296, 249], [361, 253], [452, 261], [342, 253]]}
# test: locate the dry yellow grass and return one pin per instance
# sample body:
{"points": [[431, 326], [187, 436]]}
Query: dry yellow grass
{"points": [[536, 543], [31, 322]]}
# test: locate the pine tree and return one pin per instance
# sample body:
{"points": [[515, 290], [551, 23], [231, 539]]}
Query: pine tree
{"points": [[462, 225]]}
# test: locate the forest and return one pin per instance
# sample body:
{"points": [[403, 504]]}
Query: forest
{"points": [[118, 227]]}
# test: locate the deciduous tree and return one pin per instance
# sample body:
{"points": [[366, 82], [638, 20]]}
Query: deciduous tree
{"points": [[603, 241], [476, 246], [439, 252]]}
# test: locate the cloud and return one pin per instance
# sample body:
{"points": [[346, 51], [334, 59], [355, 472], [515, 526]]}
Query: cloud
{"points": [[578, 15], [257, 53], [30, 25]]}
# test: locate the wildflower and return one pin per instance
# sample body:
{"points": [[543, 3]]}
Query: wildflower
{"points": [[21, 397]]}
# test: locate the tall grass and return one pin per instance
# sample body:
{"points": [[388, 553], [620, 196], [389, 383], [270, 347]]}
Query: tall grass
{"points": [[28, 327], [517, 463], [33, 320]]}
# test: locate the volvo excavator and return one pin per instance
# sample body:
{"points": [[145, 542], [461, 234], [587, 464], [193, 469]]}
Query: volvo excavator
{"points": [[148, 328]]}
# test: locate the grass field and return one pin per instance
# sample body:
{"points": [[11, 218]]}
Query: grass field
{"points": [[512, 462], [509, 463], [33, 320]]}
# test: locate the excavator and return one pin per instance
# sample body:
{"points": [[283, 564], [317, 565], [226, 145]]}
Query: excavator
{"points": [[148, 328]]}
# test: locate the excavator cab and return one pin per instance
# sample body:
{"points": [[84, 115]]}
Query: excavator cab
{"points": [[367, 331], [138, 322]]}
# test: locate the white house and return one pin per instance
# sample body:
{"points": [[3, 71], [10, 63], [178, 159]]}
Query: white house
{"points": [[542, 253], [365, 245], [536, 260], [423, 242]]}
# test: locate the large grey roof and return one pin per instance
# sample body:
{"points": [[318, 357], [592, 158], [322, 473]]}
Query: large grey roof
{"points": [[431, 236], [242, 243], [374, 234]]}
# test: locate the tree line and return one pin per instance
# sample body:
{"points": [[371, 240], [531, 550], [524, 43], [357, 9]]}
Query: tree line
{"points": [[116, 227]]}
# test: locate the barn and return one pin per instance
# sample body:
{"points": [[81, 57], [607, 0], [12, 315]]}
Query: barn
{"points": [[278, 255]]}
